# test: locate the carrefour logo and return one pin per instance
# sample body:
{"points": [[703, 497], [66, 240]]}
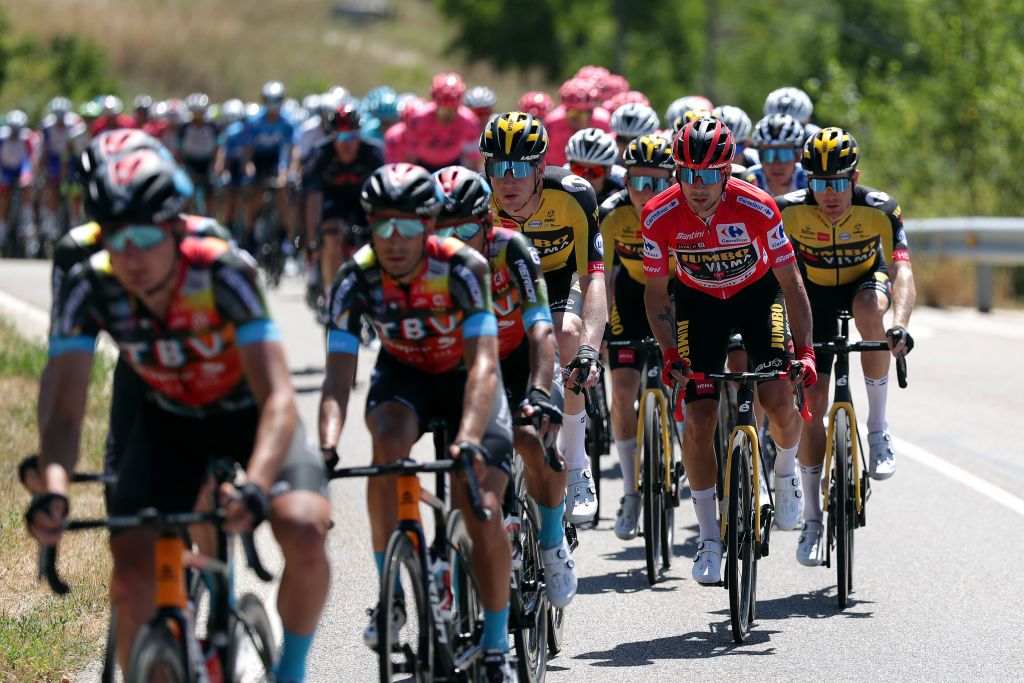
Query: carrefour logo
{"points": [[733, 233]]}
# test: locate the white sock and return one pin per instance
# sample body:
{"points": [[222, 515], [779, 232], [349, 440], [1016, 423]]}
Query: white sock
{"points": [[785, 460], [626, 448], [878, 391], [574, 439], [810, 480], [706, 507]]}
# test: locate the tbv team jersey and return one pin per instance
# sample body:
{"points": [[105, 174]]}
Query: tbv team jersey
{"points": [[189, 358], [733, 249], [832, 254], [422, 323], [518, 291]]}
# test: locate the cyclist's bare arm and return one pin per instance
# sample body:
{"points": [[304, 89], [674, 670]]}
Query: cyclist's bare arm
{"points": [[61, 423], [904, 293], [341, 370], [542, 355], [266, 371], [798, 307], [661, 312], [595, 309], [220, 160], [481, 358], [314, 211]]}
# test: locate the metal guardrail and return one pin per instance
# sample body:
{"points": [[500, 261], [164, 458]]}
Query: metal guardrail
{"points": [[985, 241]]}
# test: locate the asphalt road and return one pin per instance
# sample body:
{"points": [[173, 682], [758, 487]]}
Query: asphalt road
{"points": [[938, 595]]}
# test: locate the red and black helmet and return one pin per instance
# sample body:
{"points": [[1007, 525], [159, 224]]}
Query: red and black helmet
{"points": [[706, 143], [142, 186], [344, 117], [466, 193], [406, 188], [114, 143]]}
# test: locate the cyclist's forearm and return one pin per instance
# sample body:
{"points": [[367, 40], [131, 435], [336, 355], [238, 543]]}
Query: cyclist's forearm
{"points": [[314, 211], [595, 310], [661, 314], [63, 394], [542, 355], [278, 420], [334, 397], [904, 294], [481, 387]]}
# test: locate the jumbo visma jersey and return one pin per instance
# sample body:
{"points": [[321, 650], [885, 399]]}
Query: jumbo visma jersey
{"points": [[832, 254], [563, 229], [622, 236]]}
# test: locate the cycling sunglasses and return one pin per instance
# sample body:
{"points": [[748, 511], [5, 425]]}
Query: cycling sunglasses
{"points": [[407, 227], [519, 169], [590, 172], [834, 184], [464, 231], [144, 237], [709, 176], [782, 155], [346, 135], [644, 183]]}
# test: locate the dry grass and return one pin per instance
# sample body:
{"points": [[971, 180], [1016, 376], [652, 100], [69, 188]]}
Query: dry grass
{"points": [[943, 282], [230, 47], [44, 637]]}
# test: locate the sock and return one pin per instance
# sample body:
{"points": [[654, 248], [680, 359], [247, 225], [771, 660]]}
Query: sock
{"points": [[706, 507], [785, 460], [495, 635], [878, 391], [574, 436], [626, 448], [551, 530], [291, 667], [378, 559], [810, 479]]}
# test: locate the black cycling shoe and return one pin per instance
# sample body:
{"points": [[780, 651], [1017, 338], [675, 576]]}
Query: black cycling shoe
{"points": [[499, 667]]}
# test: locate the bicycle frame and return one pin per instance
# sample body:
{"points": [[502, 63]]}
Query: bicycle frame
{"points": [[654, 391], [745, 424]]}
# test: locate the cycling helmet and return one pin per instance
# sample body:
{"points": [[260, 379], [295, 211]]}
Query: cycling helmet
{"points": [[593, 73], [408, 107], [112, 105], [536, 103], [465, 193], [792, 101], [138, 187], [311, 103], [143, 103], [683, 104], [59, 106], [611, 86], [16, 119], [634, 119], [447, 90], [649, 151], [592, 146], [401, 187], [197, 103], [778, 130], [115, 143], [384, 107], [273, 93], [706, 143], [345, 117], [514, 136], [831, 151], [232, 110], [688, 116], [736, 119], [89, 110], [480, 97], [578, 94]]}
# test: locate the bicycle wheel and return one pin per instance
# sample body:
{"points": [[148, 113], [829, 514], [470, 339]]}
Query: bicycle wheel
{"points": [[668, 520], [598, 440], [843, 507], [156, 656], [409, 650], [252, 641], [556, 615], [741, 563], [109, 673], [651, 487], [528, 597], [466, 622]]}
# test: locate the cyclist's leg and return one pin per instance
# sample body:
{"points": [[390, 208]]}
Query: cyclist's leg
{"points": [[285, 211], [870, 302], [332, 252], [628, 322]]}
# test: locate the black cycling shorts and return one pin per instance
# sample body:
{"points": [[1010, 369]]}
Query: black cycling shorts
{"points": [[200, 170], [165, 459], [705, 323], [266, 170], [515, 373], [564, 292], [826, 302], [628, 321], [440, 397]]}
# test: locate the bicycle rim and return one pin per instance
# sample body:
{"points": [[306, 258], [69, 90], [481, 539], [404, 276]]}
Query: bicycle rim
{"points": [[251, 649], [651, 488], [740, 541], [668, 512], [531, 640], [408, 655], [467, 609], [156, 656], [841, 509]]}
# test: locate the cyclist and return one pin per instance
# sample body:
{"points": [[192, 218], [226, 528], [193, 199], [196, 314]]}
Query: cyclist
{"points": [[649, 167], [591, 155], [480, 101], [852, 250], [443, 132], [558, 212], [59, 128], [110, 116], [333, 179], [796, 103], [739, 123], [267, 159], [684, 104], [143, 115], [395, 137], [526, 346], [17, 153], [632, 120], [578, 109], [429, 299], [197, 148], [379, 110], [189, 316], [537, 104], [228, 165], [779, 139], [736, 271]]}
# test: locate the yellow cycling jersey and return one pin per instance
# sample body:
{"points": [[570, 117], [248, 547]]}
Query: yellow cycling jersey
{"points": [[832, 254], [563, 229], [621, 234]]}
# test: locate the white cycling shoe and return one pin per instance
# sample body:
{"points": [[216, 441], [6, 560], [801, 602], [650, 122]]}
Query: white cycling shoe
{"points": [[370, 636], [789, 502], [628, 516], [707, 566], [809, 547], [559, 574], [580, 496], [883, 457]]}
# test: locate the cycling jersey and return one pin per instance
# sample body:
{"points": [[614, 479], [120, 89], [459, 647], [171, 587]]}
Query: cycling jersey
{"points": [[340, 183], [832, 254], [235, 139], [435, 143], [16, 154], [197, 142], [57, 147], [111, 122], [519, 294], [559, 131], [394, 144], [620, 232], [737, 246], [189, 359], [423, 323], [755, 176], [310, 133], [271, 139]]}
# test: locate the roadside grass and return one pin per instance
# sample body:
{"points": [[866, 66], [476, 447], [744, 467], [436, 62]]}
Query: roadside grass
{"points": [[44, 637]]}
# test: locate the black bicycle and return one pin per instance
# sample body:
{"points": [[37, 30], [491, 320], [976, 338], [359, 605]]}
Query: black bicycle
{"points": [[598, 435]]}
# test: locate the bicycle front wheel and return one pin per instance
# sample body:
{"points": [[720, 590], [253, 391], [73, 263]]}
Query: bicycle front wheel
{"points": [[651, 487], [156, 656], [528, 597], [741, 564], [252, 642], [404, 650], [843, 507]]}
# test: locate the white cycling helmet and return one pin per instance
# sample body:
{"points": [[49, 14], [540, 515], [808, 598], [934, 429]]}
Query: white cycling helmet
{"points": [[634, 119], [736, 119], [59, 106], [685, 104], [232, 110], [592, 146], [792, 101], [778, 130]]}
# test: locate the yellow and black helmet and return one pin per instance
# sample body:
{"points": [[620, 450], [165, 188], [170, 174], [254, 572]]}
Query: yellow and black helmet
{"points": [[514, 136], [689, 116], [831, 151], [649, 151]]}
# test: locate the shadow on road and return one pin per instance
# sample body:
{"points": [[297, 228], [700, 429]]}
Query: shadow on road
{"points": [[629, 581], [308, 370], [715, 642], [819, 604], [308, 390]]}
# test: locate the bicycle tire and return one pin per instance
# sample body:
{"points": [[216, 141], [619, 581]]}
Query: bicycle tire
{"points": [[556, 629], [598, 441], [651, 488], [250, 622], [413, 654], [467, 608], [842, 507], [741, 562], [531, 603], [109, 673], [156, 650]]}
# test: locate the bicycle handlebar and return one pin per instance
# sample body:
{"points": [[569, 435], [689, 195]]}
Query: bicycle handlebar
{"points": [[840, 345], [742, 377], [551, 458], [31, 462]]}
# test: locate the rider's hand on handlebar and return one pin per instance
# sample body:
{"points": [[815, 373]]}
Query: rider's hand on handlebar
{"points": [[899, 340], [674, 368], [586, 360], [804, 368], [472, 450], [45, 517], [538, 403], [246, 506]]}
